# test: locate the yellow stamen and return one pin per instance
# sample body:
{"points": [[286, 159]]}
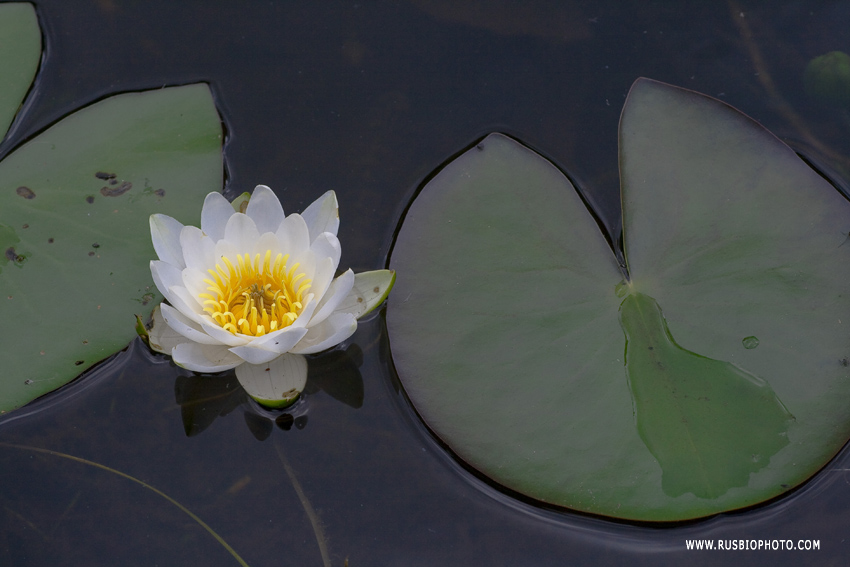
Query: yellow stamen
{"points": [[255, 297]]}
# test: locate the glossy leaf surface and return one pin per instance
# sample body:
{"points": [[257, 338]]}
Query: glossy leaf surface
{"points": [[20, 51], [715, 378], [75, 203], [708, 422]]}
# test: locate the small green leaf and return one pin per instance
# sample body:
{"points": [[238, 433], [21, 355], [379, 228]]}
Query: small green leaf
{"points": [[141, 330], [827, 78], [20, 52]]}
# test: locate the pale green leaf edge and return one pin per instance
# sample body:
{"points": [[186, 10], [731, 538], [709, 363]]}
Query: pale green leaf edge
{"points": [[20, 55]]}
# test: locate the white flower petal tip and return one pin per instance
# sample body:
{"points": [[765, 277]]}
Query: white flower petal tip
{"points": [[165, 234], [204, 358], [322, 215], [215, 214], [276, 384], [253, 287], [264, 209], [370, 289]]}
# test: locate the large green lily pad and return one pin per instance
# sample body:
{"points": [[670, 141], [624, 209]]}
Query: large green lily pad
{"points": [[74, 233], [711, 374]]}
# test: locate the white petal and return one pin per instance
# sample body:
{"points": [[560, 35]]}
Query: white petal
{"points": [[306, 261], [214, 215], [336, 293], [328, 333], [322, 215], [165, 277], [161, 337], [241, 232], [265, 209], [224, 337], [264, 349], [276, 383], [326, 245], [253, 355], [186, 327], [198, 249], [165, 235], [280, 341], [187, 304], [310, 304], [225, 249], [267, 241], [368, 291], [293, 234], [322, 278], [193, 281], [204, 358]]}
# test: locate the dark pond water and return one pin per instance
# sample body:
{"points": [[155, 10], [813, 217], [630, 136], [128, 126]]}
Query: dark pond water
{"points": [[367, 99]]}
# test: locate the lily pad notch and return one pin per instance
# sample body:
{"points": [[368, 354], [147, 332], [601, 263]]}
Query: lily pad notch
{"points": [[710, 381]]}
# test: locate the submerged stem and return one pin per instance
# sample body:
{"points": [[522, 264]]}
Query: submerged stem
{"points": [[782, 105], [308, 508], [137, 481]]}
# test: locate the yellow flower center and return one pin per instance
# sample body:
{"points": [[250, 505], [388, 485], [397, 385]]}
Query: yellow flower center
{"points": [[255, 298]]}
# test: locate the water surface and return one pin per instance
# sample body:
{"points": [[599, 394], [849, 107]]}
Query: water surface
{"points": [[367, 99]]}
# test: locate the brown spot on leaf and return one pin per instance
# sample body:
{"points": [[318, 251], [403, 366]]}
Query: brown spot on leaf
{"points": [[95, 245], [50, 241], [159, 192], [103, 175], [13, 256], [79, 362], [25, 192], [116, 191], [90, 199], [377, 289], [91, 253]]}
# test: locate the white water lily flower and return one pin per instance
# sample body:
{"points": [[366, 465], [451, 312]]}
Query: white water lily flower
{"points": [[256, 291]]}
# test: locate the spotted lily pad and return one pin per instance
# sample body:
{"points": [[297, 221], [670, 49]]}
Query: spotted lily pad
{"points": [[74, 208], [708, 374]]}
